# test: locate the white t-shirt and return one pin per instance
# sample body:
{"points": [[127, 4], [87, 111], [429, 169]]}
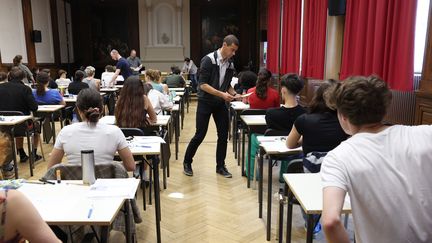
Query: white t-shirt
{"points": [[159, 101], [104, 139], [388, 176], [63, 82], [107, 76]]}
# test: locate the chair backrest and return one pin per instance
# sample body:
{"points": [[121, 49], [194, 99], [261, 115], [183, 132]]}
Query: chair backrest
{"points": [[74, 172], [132, 132], [11, 113], [275, 132], [254, 112], [295, 166]]}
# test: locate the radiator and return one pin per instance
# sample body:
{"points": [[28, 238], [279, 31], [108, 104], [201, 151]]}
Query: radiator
{"points": [[402, 108]]}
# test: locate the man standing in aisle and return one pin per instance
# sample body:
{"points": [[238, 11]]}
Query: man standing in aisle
{"points": [[214, 90], [122, 67], [190, 68], [134, 62]]}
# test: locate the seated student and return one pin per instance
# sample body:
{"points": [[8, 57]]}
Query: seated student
{"points": [[246, 81], [133, 108], [263, 96], [90, 80], [158, 100], [15, 96], [385, 170], [77, 85], [175, 80], [45, 96], [104, 140], [281, 118], [153, 77], [107, 76], [51, 83], [19, 219], [318, 132], [62, 80]]}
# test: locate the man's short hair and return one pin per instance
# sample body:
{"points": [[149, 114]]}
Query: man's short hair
{"points": [[110, 68], [89, 71], [187, 59], [60, 72], [175, 70], [231, 39], [16, 73], [363, 100], [114, 52]]}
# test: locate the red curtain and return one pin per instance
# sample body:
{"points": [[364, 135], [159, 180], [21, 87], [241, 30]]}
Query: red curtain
{"points": [[291, 36], [379, 39], [273, 35], [314, 38]]}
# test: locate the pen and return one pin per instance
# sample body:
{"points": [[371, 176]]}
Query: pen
{"points": [[90, 212], [46, 181]]}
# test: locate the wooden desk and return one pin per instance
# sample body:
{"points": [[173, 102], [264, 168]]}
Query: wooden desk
{"points": [[307, 190], [236, 107], [50, 110], [274, 147], [69, 204], [145, 145], [109, 90], [251, 122], [176, 113], [10, 122]]}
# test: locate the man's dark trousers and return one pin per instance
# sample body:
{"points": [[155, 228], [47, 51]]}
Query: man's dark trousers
{"points": [[219, 111]]}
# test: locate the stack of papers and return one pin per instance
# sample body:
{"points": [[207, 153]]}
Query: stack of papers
{"points": [[113, 188]]}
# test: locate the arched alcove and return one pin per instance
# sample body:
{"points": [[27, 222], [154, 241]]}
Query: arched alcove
{"points": [[164, 27]]}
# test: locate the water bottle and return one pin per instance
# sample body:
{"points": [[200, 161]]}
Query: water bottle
{"points": [[88, 167]]}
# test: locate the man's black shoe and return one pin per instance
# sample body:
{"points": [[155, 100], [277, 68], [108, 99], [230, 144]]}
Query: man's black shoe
{"points": [[23, 158], [223, 171], [187, 169]]}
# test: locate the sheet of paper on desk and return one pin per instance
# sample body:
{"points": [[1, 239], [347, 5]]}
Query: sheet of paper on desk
{"points": [[279, 147], [148, 139], [112, 188], [234, 81], [262, 139]]}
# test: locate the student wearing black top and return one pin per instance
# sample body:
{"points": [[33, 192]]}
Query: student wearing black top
{"points": [[318, 132], [214, 91], [15, 96], [77, 85], [282, 118], [51, 83], [122, 67]]}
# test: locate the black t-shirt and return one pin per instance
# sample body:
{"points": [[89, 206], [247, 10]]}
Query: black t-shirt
{"points": [[75, 87], [124, 67], [52, 84], [321, 131], [283, 118], [15, 96]]}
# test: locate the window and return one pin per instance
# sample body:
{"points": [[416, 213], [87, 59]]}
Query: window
{"points": [[420, 34]]}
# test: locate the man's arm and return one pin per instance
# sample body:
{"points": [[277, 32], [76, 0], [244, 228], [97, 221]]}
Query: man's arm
{"points": [[333, 200], [204, 80], [209, 89], [114, 77], [31, 102]]}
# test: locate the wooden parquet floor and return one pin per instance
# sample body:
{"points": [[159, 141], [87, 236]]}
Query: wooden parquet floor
{"points": [[205, 207]]}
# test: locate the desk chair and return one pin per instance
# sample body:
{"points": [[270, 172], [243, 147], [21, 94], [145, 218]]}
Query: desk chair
{"points": [[130, 132], [105, 170]]}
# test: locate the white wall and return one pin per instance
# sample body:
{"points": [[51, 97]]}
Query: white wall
{"points": [[62, 31], [41, 14], [153, 22], [12, 37]]}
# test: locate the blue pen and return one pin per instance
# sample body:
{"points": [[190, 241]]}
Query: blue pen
{"points": [[90, 212]]}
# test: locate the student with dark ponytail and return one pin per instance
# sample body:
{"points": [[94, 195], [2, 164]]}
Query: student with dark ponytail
{"points": [[263, 96], [43, 95], [105, 140]]}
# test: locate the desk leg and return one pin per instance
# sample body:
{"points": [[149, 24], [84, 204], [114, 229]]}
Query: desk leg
{"points": [[177, 133], [157, 198], [289, 213], [31, 155], [249, 159], [127, 222], [281, 209], [14, 151], [243, 153], [104, 234], [53, 127], [269, 197], [61, 118], [260, 186], [310, 228], [182, 111]]}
